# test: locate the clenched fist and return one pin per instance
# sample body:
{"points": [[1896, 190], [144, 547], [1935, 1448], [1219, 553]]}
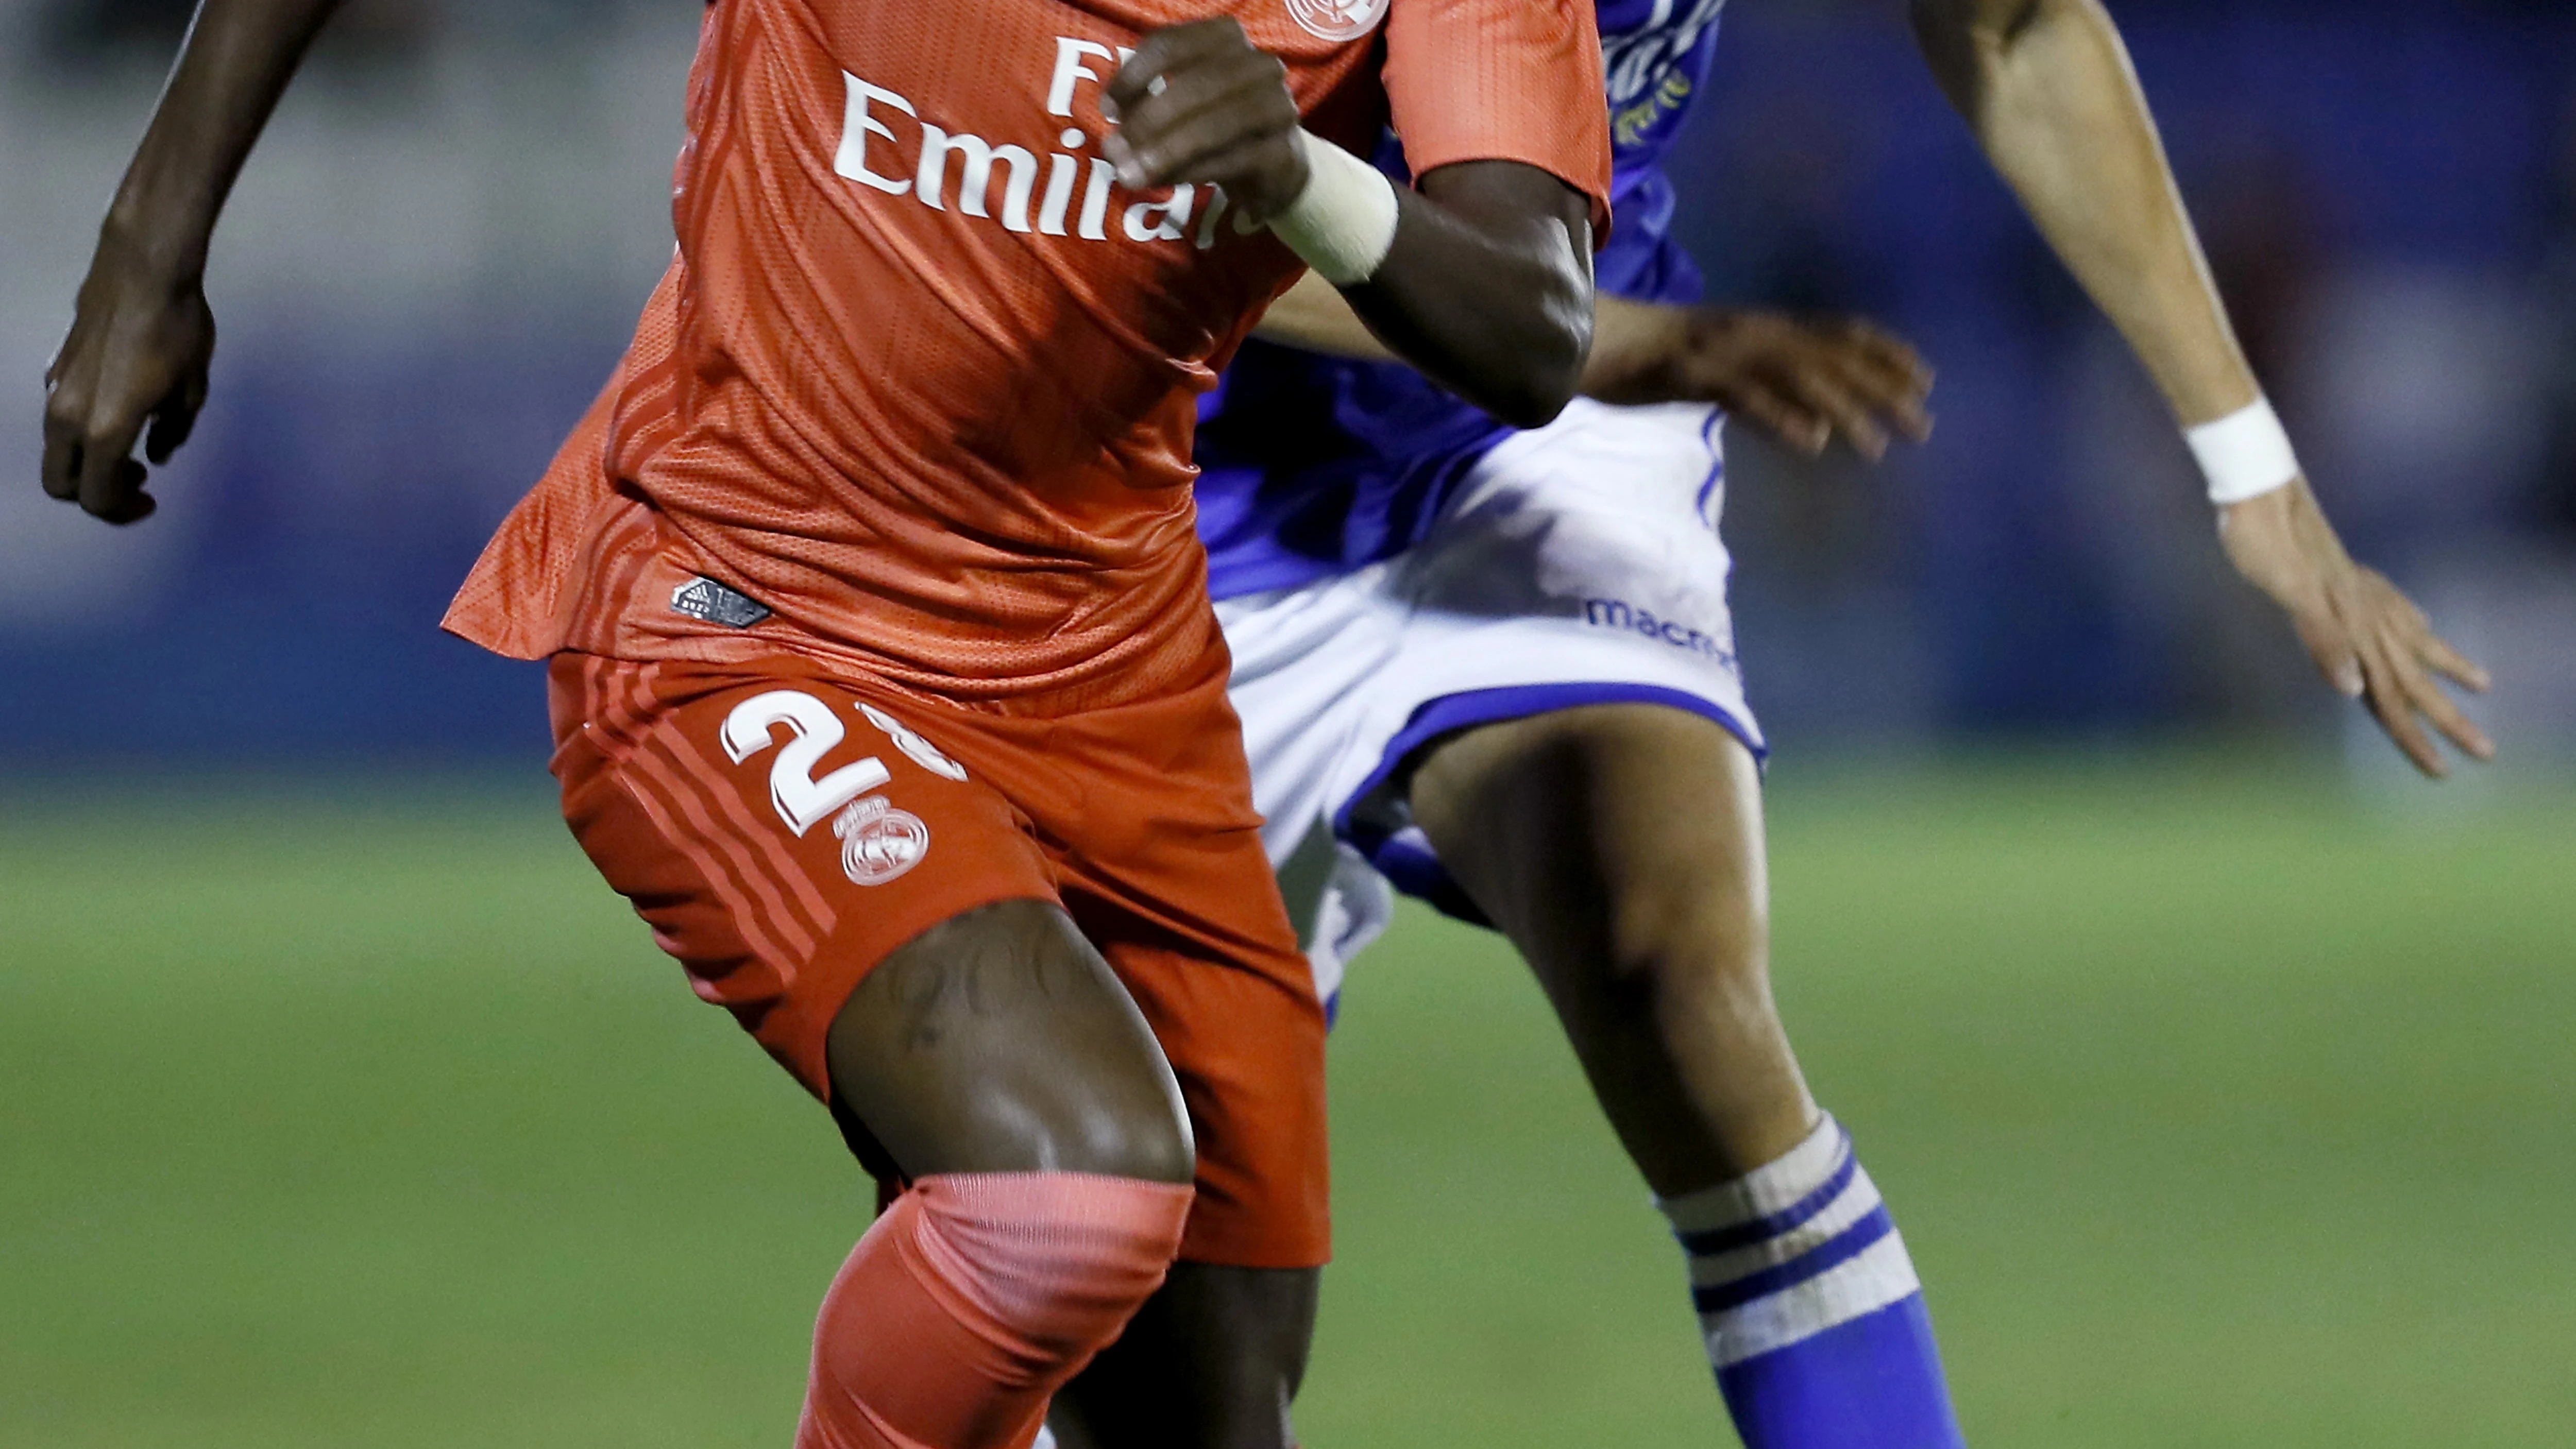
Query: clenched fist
{"points": [[1197, 103]]}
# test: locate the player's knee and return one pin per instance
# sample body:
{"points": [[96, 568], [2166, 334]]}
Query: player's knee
{"points": [[1106, 1114], [1678, 917], [1147, 1143], [976, 1296], [1692, 932], [1064, 1259]]}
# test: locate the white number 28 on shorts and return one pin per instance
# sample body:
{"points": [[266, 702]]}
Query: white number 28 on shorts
{"points": [[802, 800]]}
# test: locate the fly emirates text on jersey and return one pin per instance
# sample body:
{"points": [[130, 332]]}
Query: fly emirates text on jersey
{"points": [[872, 136]]}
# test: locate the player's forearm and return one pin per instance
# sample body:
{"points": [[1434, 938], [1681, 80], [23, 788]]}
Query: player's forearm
{"points": [[235, 64], [1630, 340], [1318, 317], [1488, 288], [1482, 278], [2048, 88], [1626, 336]]}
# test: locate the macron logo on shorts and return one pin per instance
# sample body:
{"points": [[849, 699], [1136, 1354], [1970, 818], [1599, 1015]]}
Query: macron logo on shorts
{"points": [[1622, 615]]}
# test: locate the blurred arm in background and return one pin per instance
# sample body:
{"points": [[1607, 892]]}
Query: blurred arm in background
{"points": [[142, 335], [2048, 88], [1800, 380]]}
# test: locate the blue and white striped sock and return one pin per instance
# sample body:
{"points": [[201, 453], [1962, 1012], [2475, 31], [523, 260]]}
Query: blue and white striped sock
{"points": [[1814, 1318]]}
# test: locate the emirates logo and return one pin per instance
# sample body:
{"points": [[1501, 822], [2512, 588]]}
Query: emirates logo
{"points": [[1337, 20]]}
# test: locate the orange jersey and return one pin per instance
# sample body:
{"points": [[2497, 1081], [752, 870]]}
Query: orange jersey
{"points": [[917, 394]]}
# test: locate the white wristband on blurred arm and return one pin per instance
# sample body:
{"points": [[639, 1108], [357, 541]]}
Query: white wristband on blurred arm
{"points": [[2245, 454], [1343, 223]]}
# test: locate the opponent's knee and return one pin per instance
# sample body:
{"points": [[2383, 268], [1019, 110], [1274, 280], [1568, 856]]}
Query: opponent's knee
{"points": [[1688, 899], [1688, 925], [976, 1296]]}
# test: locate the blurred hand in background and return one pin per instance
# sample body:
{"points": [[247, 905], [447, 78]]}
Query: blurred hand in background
{"points": [[2370, 640], [1799, 381]]}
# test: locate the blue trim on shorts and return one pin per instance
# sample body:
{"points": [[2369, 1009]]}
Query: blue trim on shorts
{"points": [[1417, 872], [1716, 469]]}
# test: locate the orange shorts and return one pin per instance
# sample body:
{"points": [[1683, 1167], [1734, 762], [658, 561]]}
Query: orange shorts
{"points": [[783, 829]]}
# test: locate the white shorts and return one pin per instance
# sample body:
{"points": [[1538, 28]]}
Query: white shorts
{"points": [[1576, 564]]}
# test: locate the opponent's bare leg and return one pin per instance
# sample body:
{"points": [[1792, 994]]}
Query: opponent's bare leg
{"points": [[997, 1062], [1620, 848]]}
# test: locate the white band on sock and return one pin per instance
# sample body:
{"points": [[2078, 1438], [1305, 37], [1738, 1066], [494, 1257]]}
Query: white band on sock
{"points": [[1343, 223], [1773, 1187], [1883, 1275], [1793, 1249], [2245, 454]]}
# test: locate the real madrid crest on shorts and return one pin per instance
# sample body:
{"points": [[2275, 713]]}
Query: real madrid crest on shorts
{"points": [[1337, 19], [879, 842]]}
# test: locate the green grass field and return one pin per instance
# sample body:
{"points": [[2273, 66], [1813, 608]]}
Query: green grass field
{"points": [[2218, 1109]]}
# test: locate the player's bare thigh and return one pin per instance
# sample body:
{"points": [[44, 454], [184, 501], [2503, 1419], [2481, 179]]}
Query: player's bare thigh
{"points": [[1000, 1041], [1620, 847]]}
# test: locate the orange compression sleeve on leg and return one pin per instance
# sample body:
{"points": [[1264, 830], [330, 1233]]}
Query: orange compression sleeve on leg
{"points": [[974, 1298]]}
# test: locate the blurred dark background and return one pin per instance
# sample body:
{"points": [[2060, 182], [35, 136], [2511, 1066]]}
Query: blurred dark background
{"points": [[437, 255]]}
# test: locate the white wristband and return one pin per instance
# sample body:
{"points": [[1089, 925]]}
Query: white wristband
{"points": [[1343, 223], [2245, 454]]}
